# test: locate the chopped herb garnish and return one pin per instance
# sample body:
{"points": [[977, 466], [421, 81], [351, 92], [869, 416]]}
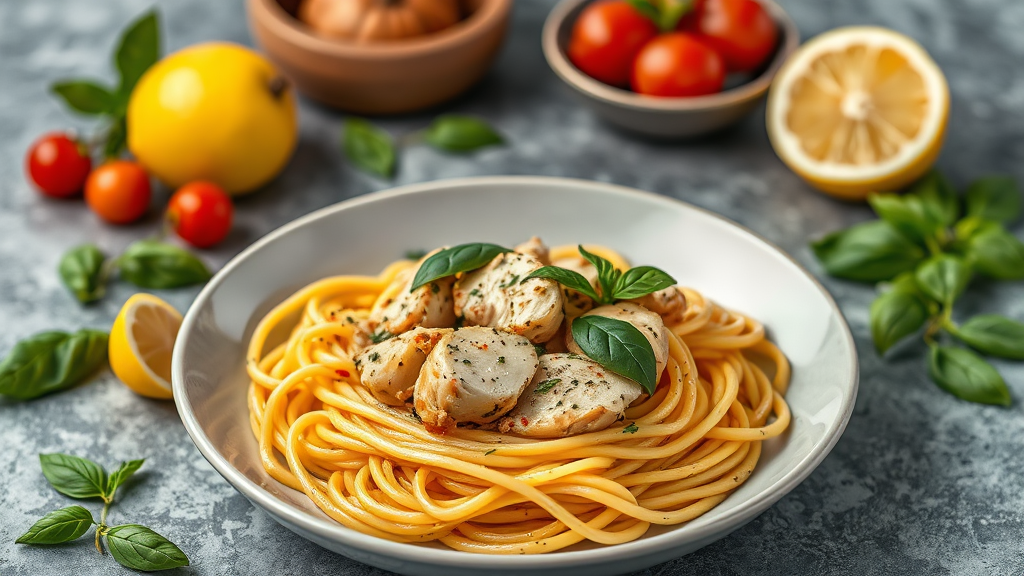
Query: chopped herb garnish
{"points": [[474, 292], [374, 357], [631, 429], [511, 282], [546, 385], [380, 336], [466, 362], [434, 287], [540, 350], [491, 451], [501, 359]]}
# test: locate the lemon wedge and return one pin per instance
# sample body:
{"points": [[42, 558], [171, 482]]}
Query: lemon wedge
{"points": [[857, 110], [141, 342]]}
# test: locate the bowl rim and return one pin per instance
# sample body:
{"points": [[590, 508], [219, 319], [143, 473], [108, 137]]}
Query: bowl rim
{"points": [[755, 88], [272, 16], [332, 531]]}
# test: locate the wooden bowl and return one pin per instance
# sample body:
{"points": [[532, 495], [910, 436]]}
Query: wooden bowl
{"points": [[387, 77], [663, 117]]}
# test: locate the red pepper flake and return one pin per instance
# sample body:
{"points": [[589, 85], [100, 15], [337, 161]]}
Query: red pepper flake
{"points": [[343, 373], [524, 421]]}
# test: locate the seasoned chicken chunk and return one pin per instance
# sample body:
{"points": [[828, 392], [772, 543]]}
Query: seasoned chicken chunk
{"points": [[669, 303], [647, 322], [474, 374], [534, 247], [389, 369], [429, 306], [495, 296], [570, 395]]}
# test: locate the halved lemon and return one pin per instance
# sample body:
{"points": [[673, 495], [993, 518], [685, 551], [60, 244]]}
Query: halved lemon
{"points": [[141, 342], [858, 110]]}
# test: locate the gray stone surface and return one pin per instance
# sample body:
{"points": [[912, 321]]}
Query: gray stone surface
{"points": [[921, 483]]}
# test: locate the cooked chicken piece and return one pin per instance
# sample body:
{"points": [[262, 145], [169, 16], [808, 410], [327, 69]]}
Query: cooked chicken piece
{"points": [[570, 395], [647, 322], [429, 306], [474, 374], [495, 296], [668, 303], [534, 247], [389, 369]]}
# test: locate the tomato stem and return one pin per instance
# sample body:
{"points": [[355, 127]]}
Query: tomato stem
{"points": [[277, 86]]}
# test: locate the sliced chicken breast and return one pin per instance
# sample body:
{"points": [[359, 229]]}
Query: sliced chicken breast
{"points": [[669, 303], [429, 306], [473, 375], [647, 322], [570, 394], [534, 247], [389, 369], [495, 296]]}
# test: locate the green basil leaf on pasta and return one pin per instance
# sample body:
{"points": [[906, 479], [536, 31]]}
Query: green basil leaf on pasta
{"points": [[894, 316], [996, 253], [641, 281], [568, 278], [81, 269], [454, 133], [73, 476], [451, 261], [119, 476], [968, 376], [868, 252], [50, 362], [138, 49], [607, 275], [139, 548], [905, 213], [943, 277], [86, 97], [995, 198], [618, 346], [993, 335], [156, 265], [59, 526], [939, 198], [369, 147]]}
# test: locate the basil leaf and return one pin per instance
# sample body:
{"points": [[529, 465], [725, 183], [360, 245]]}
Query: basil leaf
{"points": [[943, 277], [73, 476], [665, 15], [59, 526], [905, 213], [607, 274], [868, 252], [461, 134], [85, 97], [369, 148], [139, 548], [81, 269], [119, 476], [51, 361], [568, 278], [451, 261], [966, 375], [641, 281], [894, 316], [152, 264], [138, 49], [995, 199], [938, 197], [116, 138], [996, 253], [618, 346], [993, 335]]}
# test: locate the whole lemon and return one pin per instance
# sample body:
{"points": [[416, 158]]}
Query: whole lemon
{"points": [[217, 112]]}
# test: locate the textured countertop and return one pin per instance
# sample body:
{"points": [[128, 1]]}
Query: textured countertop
{"points": [[921, 483]]}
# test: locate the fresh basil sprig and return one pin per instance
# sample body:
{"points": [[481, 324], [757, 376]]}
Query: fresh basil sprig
{"points": [[454, 133], [156, 265], [132, 545], [137, 50], [50, 362], [612, 283], [369, 147], [931, 255], [451, 261], [664, 13], [618, 346], [83, 272]]}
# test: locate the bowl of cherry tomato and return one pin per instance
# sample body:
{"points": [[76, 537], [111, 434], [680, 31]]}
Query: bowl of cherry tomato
{"points": [[669, 68]]}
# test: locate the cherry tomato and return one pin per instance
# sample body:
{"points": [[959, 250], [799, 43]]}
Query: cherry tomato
{"points": [[678, 64], [606, 38], [118, 191], [200, 212], [58, 165], [741, 31]]}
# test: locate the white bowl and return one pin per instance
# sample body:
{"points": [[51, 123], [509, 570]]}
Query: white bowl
{"points": [[725, 261]]}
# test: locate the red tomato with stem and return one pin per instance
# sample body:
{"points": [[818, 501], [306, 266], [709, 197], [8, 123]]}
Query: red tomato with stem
{"points": [[201, 213], [606, 38], [741, 31], [58, 165], [118, 191], [678, 64]]}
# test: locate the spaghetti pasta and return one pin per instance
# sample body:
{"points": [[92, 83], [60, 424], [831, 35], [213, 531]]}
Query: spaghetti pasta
{"points": [[374, 468]]}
